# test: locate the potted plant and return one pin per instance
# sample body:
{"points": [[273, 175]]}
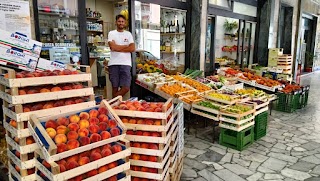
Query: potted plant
{"points": [[229, 27], [309, 61]]}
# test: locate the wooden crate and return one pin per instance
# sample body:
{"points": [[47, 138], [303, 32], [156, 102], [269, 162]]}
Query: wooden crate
{"points": [[163, 174], [177, 171], [248, 82], [21, 147], [187, 102], [224, 112], [238, 128], [16, 132], [166, 110], [157, 90], [49, 148], [14, 82], [234, 98], [21, 164], [14, 173], [261, 107], [54, 174]]}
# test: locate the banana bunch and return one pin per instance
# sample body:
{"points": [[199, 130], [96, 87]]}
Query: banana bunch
{"points": [[125, 13]]}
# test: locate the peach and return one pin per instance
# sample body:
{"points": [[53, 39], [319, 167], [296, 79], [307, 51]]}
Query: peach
{"points": [[20, 75], [139, 133], [155, 134], [46, 164], [145, 145], [84, 154], [51, 132], [130, 132], [58, 103], [79, 100], [103, 126], [136, 145], [95, 137], [125, 120], [95, 156], [36, 107], [103, 110], [73, 158], [133, 121], [92, 173], [112, 165], [17, 154], [144, 169], [153, 146], [63, 121], [51, 124], [113, 178], [146, 133], [144, 157], [43, 90], [26, 109], [62, 168], [149, 122], [60, 138], [106, 152], [73, 127], [153, 170], [22, 92], [141, 121], [93, 113], [84, 115], [62, 162], [84, 141], [71, 165], [157, 110], [135, 156], [73, 144], [115, 132], [56, 89], [72, 135], [112, 123], [75, 72], [153, 159], [123, 107], [94, 121], [13, 123], [66, 72], [116, 148], [141, 109], [77, 86], [98, 150], [132, 108], [17, 168], [30, 171], [83, 132], [157, 122], [69, 102], [106, 146], [135, 168], [83, 160], [93, 129], [83, 123], [105, 135], [48, 105], [77, 178], [62, 129], [74, 118], [102, 169], [29, 140], [32, 91], [66, 87], [16, 139], [150, 109], [103, 118]]}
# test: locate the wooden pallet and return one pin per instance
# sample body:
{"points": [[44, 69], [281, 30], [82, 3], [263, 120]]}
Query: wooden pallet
{"points": [[55, 175], [49, 148], [166, 110]]}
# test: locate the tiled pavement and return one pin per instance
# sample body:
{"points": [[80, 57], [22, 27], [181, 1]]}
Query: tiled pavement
{"points": [[290, 151]]}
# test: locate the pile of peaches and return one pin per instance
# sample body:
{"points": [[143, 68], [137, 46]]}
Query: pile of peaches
{"points": [[85, 158], [81, 129], [49, 88], [140, 106], [51, 104], [27, 74]]}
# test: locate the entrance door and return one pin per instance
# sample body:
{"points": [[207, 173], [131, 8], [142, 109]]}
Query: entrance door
{"points": [[210, 54]]}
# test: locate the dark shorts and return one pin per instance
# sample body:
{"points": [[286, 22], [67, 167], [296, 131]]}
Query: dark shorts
{"points": [[120, 75]]}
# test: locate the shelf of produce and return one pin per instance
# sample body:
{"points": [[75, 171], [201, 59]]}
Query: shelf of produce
{"points": [[30, 98], [238, 129], [25, 116], [54, 174], [167, 109], [49, 148], [35, 81]]}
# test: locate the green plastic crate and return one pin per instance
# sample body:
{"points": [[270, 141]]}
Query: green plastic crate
{"points": [[260, 125], [303, 101], [237, 140], [288, 102]]}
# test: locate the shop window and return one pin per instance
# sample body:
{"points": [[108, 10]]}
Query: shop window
{"points": [[245, 9], [221, 3]]}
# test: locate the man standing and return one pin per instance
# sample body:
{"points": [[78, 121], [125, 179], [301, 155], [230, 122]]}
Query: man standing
{"points": [[121, 44]]}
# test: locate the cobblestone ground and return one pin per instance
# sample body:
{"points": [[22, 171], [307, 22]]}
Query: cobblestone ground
{"points": [[290, 151]]}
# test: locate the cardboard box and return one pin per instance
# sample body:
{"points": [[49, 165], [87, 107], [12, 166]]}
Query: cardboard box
{"points": [[44, 64], [21, 41], [17, 57]]}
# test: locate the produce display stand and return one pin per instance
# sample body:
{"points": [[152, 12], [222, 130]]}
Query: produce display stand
{"points": [[54, 174], [49, 149], [234, 98], [21, 146]]}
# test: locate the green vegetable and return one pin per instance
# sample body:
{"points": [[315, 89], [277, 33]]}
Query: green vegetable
{"points": [[208, 105]]}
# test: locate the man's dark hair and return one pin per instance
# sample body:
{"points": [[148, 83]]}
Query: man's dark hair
{"points": [[120, 16]]}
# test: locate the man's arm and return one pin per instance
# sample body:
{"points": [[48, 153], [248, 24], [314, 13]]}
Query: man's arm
{"points": [[122, 48]]}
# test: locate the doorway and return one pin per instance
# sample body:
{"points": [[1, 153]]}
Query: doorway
{"points": [[284, 39], [210, 65]]}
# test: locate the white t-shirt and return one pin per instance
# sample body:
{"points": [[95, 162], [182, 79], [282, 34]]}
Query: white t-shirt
{"points": [[121, 38]]}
